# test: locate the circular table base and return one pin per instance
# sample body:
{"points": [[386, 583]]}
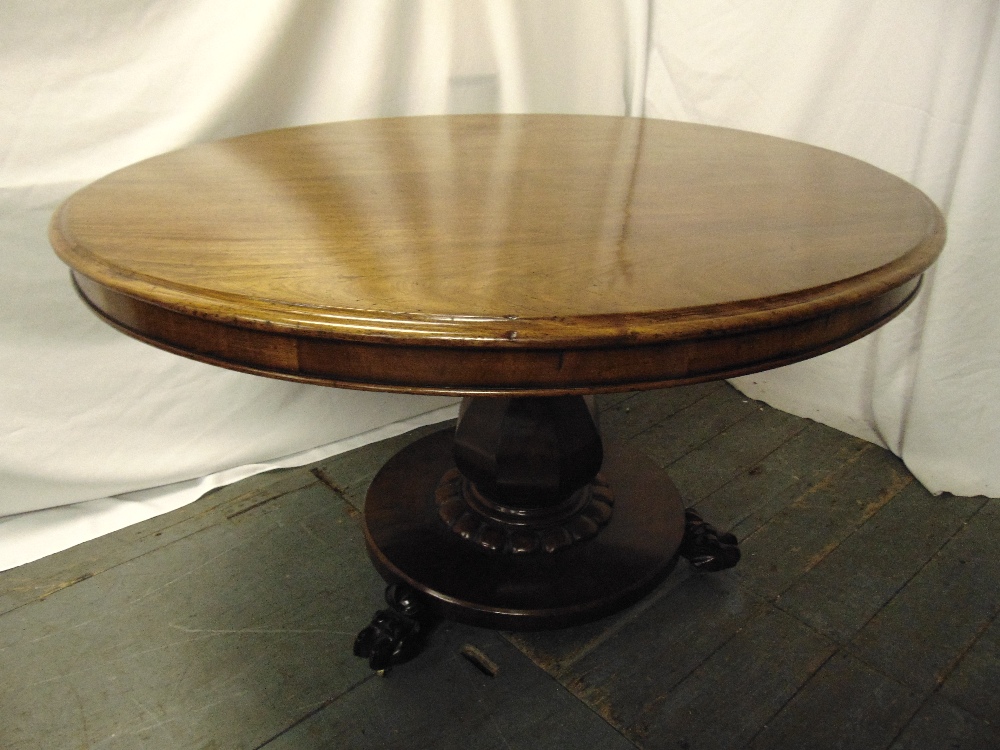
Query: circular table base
{"points": [[409, 543]]}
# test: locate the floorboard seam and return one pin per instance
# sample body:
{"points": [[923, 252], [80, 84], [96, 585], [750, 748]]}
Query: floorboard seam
{"points": [[321, 707], [350, 508], [213, 508], [909, 721], [813, 489], [845, 647], [827, 551], [634, 612], [735, 476], [586, 705], [929, 560], [317, 471], [906, 723], [961, 653], [715, 650], [85, 577], [792, 697], [91, 574], [663, 418], [738, 474], [663, 423], [934, 691], [848, 649], [254, 506], [906, 583], [623, 400]]}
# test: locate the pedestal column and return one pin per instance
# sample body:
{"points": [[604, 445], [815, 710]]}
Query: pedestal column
{"points": [[522, 518]]}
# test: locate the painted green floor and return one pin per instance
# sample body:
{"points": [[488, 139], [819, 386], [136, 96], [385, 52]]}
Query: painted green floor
{"points": [[863, 615]]}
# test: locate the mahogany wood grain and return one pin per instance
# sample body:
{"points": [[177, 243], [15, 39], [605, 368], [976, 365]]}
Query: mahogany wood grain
{"points": [[462, 581], [518, 254]]}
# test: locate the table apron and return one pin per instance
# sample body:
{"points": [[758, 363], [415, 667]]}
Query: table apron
{"points": [[462, 369]]}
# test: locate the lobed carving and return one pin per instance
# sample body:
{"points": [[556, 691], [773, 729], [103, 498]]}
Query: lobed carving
{"points": [[514, 531]]}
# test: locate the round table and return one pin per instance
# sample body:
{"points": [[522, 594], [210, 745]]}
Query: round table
{"points": [[521, 261]]}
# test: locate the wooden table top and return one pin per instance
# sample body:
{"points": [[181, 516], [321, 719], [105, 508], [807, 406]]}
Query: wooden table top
{"points": [[502, 253]]}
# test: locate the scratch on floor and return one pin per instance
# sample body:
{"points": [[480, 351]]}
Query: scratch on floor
{"points": [[171, 719], [254, 506], [254, 631], [204, 564], [64, 585]]}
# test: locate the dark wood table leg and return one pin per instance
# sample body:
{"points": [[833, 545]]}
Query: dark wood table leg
{"points": [[520, 519]]}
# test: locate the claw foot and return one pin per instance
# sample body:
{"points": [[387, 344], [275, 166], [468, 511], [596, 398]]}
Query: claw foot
{"points": [[705, 547], [395, 634]]}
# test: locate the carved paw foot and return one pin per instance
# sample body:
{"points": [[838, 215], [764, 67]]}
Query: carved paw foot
{"points": [[395, 634], [705, 547]]}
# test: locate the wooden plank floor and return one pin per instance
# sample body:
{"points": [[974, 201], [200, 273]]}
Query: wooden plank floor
{"points": [[863, 615]]}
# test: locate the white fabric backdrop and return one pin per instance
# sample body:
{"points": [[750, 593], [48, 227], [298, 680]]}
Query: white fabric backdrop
{"points": [[914, 88], [87, 414]]}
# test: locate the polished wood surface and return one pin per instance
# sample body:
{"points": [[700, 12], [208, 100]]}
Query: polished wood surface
{"points": [[480, 254]]}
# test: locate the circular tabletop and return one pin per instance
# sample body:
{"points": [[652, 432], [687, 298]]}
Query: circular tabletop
{"points": [[516, 254]]}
